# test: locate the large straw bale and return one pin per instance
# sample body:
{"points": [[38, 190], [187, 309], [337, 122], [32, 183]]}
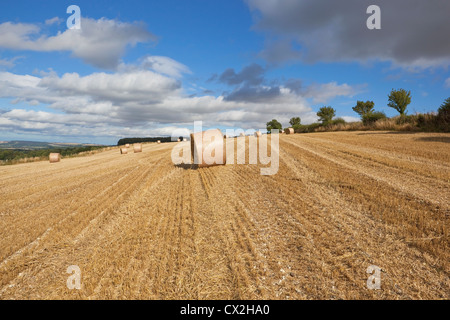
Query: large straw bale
{"points": [[212, 141]]}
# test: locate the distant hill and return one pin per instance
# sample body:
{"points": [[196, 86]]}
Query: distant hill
{"points": [[12, 152], [35, 145]]}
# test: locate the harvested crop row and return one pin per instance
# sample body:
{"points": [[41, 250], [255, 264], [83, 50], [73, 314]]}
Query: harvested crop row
{"points": [[144, 228]]}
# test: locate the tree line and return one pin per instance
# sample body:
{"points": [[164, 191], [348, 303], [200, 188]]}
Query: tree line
{"points": [[125, 141], [397, 99]]}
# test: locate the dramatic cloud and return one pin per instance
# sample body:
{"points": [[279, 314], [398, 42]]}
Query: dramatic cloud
{"points": [[141, 102], [250, 86], [295, 85], [254, 94], [99, 42], [280, 51], [250, 75], [414, 33]]}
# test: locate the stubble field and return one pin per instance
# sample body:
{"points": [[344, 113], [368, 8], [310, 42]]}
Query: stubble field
{"points": [[140, 227]]}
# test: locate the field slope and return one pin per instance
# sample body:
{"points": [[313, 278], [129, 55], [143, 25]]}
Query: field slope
{"points": [[140, 227]]}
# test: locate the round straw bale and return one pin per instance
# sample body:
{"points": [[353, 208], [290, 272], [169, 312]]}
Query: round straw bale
{"points": [[289, 131], [184, 139], [127, 145], [178, 140], [54, 157], [137, 148], [123, 150], [207, 140], [258, 134], [159, 141]]}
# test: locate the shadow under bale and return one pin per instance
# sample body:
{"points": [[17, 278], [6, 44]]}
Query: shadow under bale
{"points": [[435, 139], [187, 166]]}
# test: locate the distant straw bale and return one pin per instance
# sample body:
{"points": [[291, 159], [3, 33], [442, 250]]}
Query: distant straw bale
{"points": [[289, 131], [137, 148], [54, 157]]}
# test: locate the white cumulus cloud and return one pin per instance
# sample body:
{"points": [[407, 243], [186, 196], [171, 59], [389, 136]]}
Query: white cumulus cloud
{"points": [[165, 65], [99, 42]]}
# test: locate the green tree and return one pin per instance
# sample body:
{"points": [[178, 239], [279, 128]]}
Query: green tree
{"points": [[364, 108], [444, 113], [295, 121], [399, 100], [274, 124], [445, 107], [326, 114]]}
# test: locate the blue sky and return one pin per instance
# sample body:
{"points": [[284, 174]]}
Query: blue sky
{"points": [[145, 68]]}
